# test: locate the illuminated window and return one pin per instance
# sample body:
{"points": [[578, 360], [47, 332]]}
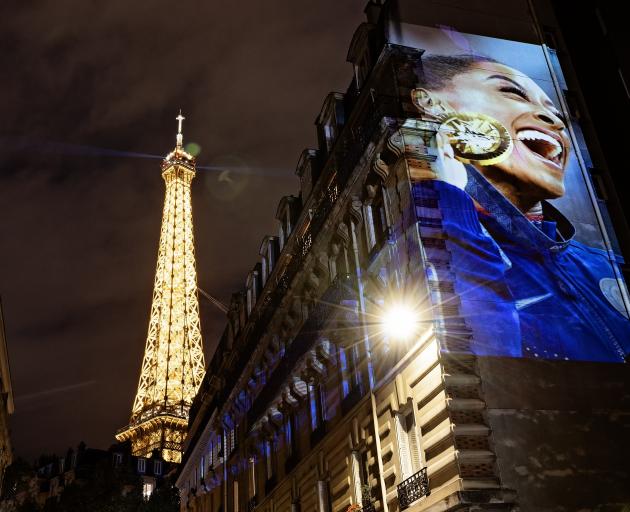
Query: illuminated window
{"points": [[288, 434], [317, 397], [157, 467], [269, 459], [202, 467], [343, 366], [147, 490], [142, 465]]}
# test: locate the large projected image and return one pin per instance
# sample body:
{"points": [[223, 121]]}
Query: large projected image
{"points": [[522, 245]]}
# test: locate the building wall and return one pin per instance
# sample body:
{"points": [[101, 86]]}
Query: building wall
{"points": [[424, 420], [6, 402]]}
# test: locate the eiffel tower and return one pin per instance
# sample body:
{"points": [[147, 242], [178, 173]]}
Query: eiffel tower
{"points": [[173, 363]]}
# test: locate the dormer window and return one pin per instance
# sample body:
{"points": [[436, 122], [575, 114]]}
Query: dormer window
{"points": [[307, 170], [330, 121], [359, 53], [271, 254], [263, 268]]}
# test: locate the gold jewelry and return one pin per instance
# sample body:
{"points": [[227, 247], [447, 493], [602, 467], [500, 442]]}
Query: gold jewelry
{"points": [[476, 138]]}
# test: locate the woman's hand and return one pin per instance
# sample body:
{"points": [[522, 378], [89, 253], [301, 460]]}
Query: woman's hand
{"points": [[449, 169]]}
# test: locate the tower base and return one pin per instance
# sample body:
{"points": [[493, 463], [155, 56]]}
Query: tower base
{"points": [[163, 433]]}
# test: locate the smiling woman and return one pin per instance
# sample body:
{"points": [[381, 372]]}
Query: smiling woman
{"points": [[526, 287]]}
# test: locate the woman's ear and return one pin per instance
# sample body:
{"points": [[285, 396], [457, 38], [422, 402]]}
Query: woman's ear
{"points": [[429, 104], [423, 100]]}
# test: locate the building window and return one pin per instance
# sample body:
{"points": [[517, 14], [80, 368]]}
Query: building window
{"points": [[62, 463], [343, 366], [252, 477], [269, 459], [250, 301], [378, 219], [142, 465], [157, 467], [281, 236], [230, 441], [317, 402], [288, 435], [323, 496], [360, 477], [217, 450], [263, 265], [202, 467], [147, 490], [408, 444], [117, 457], [261, 375]]}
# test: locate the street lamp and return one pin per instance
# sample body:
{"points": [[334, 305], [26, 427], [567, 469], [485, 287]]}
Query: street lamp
{"points": [[399, 322]]}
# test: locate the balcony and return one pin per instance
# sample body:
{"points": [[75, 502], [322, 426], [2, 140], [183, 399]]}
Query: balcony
{"points": [[412, 489]]}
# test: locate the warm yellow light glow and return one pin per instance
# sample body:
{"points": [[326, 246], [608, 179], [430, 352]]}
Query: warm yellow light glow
{"points": [[173, 364], [400, 322]]}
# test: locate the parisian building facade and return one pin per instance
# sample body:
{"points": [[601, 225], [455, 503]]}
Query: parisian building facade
{"points": [[314, 402], [6, 402]]}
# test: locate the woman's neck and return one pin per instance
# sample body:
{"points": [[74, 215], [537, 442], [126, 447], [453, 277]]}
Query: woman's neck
{"points": [[513, 191]]}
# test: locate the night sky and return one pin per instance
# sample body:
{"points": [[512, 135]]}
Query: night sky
{"points": [[79, 226]]}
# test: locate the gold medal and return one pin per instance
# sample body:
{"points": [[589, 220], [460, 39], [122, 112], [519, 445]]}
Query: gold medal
{"points": [[477, 138]]}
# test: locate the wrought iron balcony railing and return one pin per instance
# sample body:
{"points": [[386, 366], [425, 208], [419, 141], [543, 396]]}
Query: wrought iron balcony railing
{"points": [[367, 501], [413, 488], [368, 506]]}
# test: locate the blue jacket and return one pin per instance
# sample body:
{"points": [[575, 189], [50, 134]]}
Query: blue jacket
{"points": [[526, 290]]}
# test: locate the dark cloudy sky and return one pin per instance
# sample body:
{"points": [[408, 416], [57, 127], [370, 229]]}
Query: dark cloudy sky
{"points": [[79, 231]]}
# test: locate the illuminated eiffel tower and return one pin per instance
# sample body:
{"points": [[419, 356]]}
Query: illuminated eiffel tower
{"points": [[173, 364]]}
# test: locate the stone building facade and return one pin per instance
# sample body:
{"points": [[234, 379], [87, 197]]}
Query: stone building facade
{"points": [[310, 404], [6, 403]]}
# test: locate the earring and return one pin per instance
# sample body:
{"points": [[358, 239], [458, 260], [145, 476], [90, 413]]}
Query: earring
{"points": [[476, 138]]}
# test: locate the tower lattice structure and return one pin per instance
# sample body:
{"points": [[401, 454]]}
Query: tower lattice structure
{"points": [[173, 363]]}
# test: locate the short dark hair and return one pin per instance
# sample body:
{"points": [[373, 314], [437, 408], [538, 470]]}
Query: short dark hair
{"points": [[435, 71]]}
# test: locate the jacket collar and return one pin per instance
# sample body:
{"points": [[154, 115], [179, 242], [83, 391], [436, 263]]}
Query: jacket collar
{"points": [[554, 235]]}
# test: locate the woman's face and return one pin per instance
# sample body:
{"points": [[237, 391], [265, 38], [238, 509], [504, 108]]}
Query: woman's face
{"points": [[541, 144]]}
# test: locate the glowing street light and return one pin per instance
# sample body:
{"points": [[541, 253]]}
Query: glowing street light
{"points": [[400, 322]]}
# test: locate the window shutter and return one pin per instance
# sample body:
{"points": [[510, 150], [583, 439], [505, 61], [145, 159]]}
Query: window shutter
{"points": [[414, 443], [356, 476], [322, 496], [403, 446]]}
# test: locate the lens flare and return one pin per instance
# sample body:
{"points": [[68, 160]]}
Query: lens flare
{"points": [[193, 148], [400, 322]]}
